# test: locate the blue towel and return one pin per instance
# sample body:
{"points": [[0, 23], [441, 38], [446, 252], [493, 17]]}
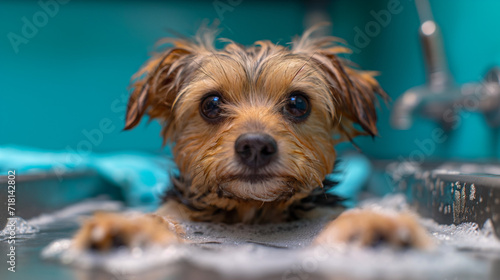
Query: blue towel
{"points": [[145, 177], [352, 172]]}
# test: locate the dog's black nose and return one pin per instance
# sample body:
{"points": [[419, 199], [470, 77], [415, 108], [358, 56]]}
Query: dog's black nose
{"points": [[256, 149]]}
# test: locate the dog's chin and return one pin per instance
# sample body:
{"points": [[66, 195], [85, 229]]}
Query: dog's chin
{"points": [[260, 188]]}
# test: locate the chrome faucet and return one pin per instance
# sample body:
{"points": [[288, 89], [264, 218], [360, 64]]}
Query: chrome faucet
{"points": [[440, 97]]}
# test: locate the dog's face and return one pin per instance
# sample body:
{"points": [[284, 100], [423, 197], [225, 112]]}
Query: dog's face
{"points": [[257, 123]]}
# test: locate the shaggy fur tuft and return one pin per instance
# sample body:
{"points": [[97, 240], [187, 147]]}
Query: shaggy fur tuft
{"points": [[254, 83]]}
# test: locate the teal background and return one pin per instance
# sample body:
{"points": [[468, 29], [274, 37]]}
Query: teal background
{"points": [[70, 80]]}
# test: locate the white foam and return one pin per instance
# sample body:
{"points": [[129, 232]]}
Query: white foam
{"points": [[16, 227], [124, 261]]}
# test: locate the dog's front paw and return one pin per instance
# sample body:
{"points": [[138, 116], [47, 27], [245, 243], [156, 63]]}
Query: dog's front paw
{"points": [[106, 231], [368, 228]]}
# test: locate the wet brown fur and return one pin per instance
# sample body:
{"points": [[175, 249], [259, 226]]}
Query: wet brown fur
{"points": [[254, 83]]}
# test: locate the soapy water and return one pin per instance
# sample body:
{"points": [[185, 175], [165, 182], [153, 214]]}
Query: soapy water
{"points": [[20, 228], [284, 250]]}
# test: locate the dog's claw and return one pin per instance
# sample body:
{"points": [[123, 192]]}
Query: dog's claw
{"points": [[371, 229]]}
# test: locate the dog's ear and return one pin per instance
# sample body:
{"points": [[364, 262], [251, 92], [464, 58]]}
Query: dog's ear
{"points": [[354, 92], [157, 84]]}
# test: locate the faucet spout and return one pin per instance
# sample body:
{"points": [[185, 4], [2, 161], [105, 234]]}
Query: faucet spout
{"points": [[440, 97], [439, 89]]}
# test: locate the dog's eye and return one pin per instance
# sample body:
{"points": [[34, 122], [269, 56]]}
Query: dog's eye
{"points": [[297, 106], [210, 107]]}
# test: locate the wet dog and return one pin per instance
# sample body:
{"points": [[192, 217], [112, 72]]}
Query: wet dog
{"points": [[254, 130]]}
